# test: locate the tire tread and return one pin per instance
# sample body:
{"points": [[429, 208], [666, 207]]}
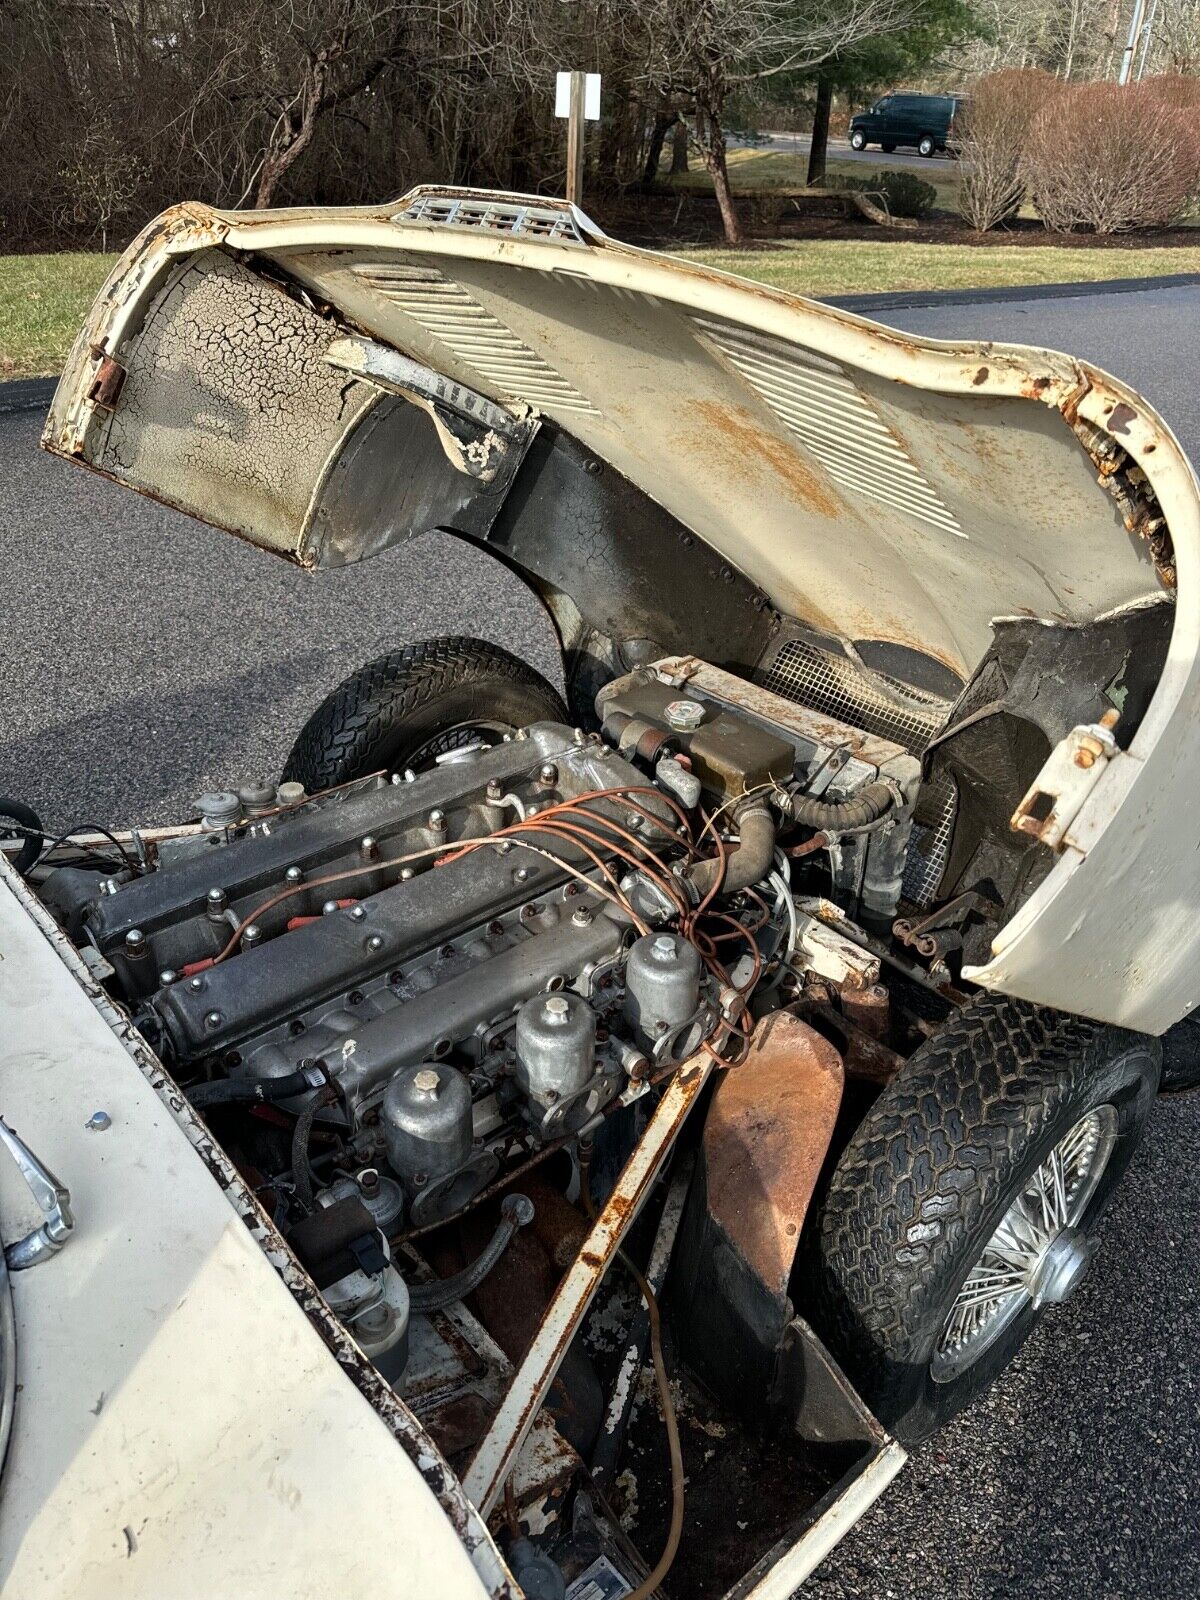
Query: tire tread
{"points": [[358, 715]]}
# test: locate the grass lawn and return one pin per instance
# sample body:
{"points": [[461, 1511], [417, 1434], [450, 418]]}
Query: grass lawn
{"points": [[774, 169], [831, 266], [44, 298], [43, 301]]}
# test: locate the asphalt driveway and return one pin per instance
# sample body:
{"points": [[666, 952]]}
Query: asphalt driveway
{"points": [[144, 658]]}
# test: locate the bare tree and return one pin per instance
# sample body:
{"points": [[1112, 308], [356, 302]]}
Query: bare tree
{"points": [[701, 54]]}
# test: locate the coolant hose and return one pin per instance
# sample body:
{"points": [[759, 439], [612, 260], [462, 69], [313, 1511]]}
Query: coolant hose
{"points": [[246, 1091], [302, 1173], [515, 1211], [839, 816], [750, 863]]}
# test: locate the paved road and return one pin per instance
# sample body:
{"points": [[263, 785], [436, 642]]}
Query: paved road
{"points": [[796, 144], [146, 657]]}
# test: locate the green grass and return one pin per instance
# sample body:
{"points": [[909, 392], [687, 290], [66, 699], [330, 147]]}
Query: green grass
{"points": [[43, 301], [774, 169], [829, 266]]}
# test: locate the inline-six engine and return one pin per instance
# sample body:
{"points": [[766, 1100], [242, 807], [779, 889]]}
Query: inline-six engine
{"points": [[391, 997]]}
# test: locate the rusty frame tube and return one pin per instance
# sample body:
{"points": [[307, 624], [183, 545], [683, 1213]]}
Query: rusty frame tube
{"points": [[620, 1402], [493, 1461]]}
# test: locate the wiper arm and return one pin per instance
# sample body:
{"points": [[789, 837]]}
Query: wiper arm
{"points": [[52, 1196]]}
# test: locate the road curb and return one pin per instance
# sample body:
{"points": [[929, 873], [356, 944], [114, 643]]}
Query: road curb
{"points": [[35, 394], [912, 300], [27, 394]]}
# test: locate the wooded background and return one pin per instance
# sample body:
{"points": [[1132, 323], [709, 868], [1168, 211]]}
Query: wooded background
{"points": [[112, 109]]}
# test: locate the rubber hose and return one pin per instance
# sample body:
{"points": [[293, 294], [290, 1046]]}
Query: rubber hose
{"points": [[840, 816], [750, 863], [244, 1091], [31, 826], [302, 1175], [515, 1211]]}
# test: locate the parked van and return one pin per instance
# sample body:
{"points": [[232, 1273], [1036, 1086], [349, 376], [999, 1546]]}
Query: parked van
{"points": [[925, 121]]}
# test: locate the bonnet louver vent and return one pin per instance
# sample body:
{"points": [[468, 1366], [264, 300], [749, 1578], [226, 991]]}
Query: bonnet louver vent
{"points": [[834, 422], [493, 216], [445, 309]]}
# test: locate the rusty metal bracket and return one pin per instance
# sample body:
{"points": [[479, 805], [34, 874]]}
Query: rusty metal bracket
{"points": [[475, 433], [1071, 772], [925, 935], [105, 387], [485, 1478]]}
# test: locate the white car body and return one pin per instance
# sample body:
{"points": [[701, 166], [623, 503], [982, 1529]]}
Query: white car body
{"points": [[190, 1418]]}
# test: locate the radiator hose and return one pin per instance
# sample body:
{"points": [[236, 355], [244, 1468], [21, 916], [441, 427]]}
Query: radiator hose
{"points": [[840, 816], [750, 862], [257, 1091]]}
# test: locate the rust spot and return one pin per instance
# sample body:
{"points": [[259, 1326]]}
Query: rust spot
{"points": [[980, 377], [751, 446], [1122, 416], [1070, 406]]}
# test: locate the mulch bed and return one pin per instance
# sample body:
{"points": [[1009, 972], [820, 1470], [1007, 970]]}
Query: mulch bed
{"points": [[679, 220]]}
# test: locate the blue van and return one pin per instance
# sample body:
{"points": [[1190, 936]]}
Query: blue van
{"points": [[923, 121]]}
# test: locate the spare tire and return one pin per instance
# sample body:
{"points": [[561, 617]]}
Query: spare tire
{"points": [[408, 707]]}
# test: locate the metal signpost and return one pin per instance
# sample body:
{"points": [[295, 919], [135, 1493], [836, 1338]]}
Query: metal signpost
{"points": [[577, 98]]}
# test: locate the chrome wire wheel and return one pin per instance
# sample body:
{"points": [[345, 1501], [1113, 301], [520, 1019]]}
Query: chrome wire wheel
{"points": [[1039, 1252], [460, 743]]}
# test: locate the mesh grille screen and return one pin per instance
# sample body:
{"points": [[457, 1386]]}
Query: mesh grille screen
{"points": [[837, 688]]}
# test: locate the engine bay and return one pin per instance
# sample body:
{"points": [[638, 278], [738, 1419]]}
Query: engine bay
{"points": [[436, 1018]]}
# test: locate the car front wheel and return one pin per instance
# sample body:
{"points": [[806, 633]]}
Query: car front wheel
{"points": [[858, 140], [965, 1206], [417, 706]]}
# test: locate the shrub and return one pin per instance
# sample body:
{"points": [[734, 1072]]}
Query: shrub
{"points": [[906, 194], [767, 207], [1108, 159], [1174, 89], [903, 193], [990, 135]]}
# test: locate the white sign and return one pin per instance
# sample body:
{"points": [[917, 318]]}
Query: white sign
{"points": [[591, 96]]}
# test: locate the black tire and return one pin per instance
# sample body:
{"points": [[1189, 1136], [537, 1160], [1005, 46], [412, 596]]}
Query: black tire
{"points": [[407, 707], [927, 146], [858, 140], [1181, 1057], [932, 1170]]}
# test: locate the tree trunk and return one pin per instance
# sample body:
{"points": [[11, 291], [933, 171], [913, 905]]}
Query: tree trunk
{"points": [[679, 147], [710, 136], [663, 121], [294, 135], [819, 145]]}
